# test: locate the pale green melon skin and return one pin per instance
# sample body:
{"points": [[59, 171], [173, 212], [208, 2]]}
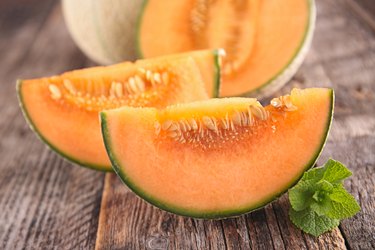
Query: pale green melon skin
{"points": [[105, 30]]}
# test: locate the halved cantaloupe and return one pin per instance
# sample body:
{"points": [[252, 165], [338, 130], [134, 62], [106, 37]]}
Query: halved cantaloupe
{"points": [[63, 110], [266, 41], [220, 157]]}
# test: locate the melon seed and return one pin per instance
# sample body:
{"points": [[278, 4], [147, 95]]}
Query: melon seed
{"points": [[276, 102], [140, 83], [259, 112], [157, 77], [55, 91], [187, 125], [283, 102], [183, 126], [157, 128], [225, 125], [148, 75], [193, 124], [236, 117], [166, 124], [174, 127], [209, 123], [70, 87], [118, 90], [133, 85], [112, 89]]}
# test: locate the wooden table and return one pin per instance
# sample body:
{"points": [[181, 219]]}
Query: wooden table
{"points": [[46, 202]]}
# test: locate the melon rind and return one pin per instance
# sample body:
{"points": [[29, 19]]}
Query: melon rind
{"points": [[218, 53], [286, 74], [210, 214]]}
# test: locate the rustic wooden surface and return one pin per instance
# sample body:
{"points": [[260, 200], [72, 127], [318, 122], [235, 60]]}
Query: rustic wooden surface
{"points": [[46, 203]]}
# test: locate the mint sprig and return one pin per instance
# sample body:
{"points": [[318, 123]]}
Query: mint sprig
{"points": [[319, 200]]}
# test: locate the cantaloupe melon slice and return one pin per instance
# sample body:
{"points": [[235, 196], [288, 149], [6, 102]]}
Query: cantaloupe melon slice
{"points": [[220, 157], [63, 110], [266, 41]]}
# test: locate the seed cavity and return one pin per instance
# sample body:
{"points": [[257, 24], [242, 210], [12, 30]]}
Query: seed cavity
{"points": [[202, 21], [284, 103], [209, 129], [141, 89]]}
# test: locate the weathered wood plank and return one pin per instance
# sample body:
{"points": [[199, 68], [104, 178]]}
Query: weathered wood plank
{"points": [[348, 57], [45, 201], [365, 9], [129, 223]]}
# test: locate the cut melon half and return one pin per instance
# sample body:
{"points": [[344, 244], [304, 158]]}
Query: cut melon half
{"points": [[63, 110], [220, 157], [266, 41]]}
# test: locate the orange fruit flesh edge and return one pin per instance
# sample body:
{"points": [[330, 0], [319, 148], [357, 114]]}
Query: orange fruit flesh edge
{"points": [[240, 173], [75, 131], [205, 60], [280, 28]]}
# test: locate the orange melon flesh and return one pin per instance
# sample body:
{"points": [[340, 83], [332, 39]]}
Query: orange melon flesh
{"points": [[219, 176], [72, 129], [208, 62], [269, 37]]}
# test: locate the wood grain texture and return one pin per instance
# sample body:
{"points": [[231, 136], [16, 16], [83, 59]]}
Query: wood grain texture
{"points": [[348, 58], [45, 201], [342, 57], [365, 10]]}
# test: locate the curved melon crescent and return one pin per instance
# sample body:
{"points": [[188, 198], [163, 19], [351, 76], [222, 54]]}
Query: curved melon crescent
{"points": [[73, 131], [275, 55], [227, 181]]}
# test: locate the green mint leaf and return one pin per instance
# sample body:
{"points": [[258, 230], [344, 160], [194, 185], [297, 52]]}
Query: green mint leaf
{"points": [[335, 171], [301, 195], [310, 222], [325, 185], [322, 203], [314, 175], [343, 204], [319, 200]]}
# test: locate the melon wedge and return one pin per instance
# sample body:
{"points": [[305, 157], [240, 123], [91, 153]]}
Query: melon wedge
{"points": [[220, 157], [266, 41], [63, 110]]}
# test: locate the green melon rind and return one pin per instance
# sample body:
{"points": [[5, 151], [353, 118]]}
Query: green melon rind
{"points": [[48, 143], [284, 75], [208, 214], [217, 79]]}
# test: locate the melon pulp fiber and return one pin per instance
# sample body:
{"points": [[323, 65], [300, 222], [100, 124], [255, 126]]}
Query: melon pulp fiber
{"points": [[220, 157], [63, 110], [265, 41]]}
